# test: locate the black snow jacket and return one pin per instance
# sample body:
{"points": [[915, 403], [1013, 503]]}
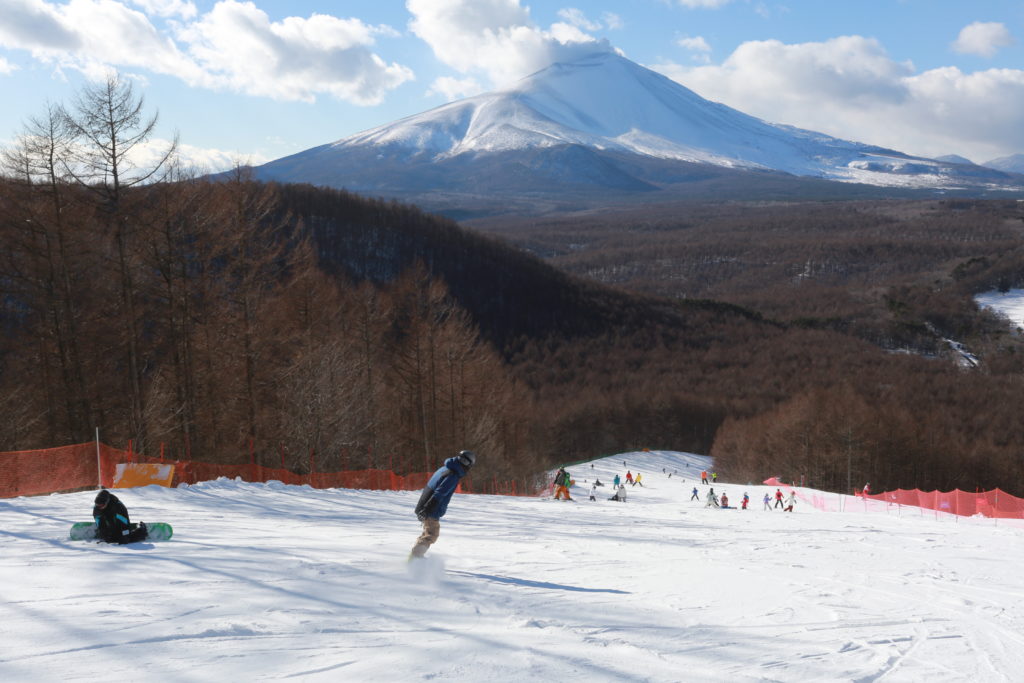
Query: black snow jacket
{"points": [[113, 525]]}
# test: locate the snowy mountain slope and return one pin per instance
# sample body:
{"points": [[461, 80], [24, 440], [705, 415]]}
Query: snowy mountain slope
{"points": [[1011, 164], [613, 109], [269, 582]]}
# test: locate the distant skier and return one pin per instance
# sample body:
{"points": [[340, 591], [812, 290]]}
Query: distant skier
{"points": [[725, 500], [637, 480], [778, 498], [767, 502], [790, 502], [562, 481], [593, 491], [629, 477], [867, 489], [112, 523], [714, 477], [620, 495], [616, 481], [704, 477], [433, 502], [695, 495], [746, 500]]}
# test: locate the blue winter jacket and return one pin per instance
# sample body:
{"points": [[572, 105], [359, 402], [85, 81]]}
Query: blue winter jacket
{"points": [[433, 501]]}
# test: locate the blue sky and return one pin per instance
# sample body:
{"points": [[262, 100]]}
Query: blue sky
{"points": [[254, 81]]}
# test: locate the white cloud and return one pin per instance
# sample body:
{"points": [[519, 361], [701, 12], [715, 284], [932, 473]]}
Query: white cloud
{"points": [[495, 37], [696, 44], [849, 87], [238, 47], [202, 159], [6, 67], [612, 21], [455, 88], [579, 19], [168, 8], [234, 46], [704, 4], [983, 39], [89, 35]]}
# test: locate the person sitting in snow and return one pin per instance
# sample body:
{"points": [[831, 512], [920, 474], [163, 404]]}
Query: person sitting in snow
{"points": [[712, 499], [112, 523], [725, 500], [620, 495], [433, 502]]}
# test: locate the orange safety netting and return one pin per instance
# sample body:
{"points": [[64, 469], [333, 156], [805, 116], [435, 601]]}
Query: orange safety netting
{"points": [[27, 473], [85, 466]]}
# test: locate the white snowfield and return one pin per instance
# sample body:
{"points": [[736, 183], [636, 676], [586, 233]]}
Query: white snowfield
{"points": [[275, 582], [1009, 304]]}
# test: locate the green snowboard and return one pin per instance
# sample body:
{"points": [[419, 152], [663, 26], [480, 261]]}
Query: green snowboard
{"points": [[158, 531]]}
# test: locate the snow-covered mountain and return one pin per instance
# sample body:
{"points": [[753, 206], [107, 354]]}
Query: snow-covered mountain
{"points": [[1011, 164], [600, 123]]}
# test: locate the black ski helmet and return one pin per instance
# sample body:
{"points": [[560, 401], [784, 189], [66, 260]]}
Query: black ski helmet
{"points": [[467, 458]]}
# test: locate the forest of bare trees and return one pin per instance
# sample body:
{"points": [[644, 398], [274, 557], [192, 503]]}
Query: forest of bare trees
{"points": [[194, 315]]}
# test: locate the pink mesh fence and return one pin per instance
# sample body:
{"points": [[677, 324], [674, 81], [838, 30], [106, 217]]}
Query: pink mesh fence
{"points": [[995, 503]]}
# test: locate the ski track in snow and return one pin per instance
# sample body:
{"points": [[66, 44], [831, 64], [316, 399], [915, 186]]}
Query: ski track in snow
{"points": [[275, 582]]}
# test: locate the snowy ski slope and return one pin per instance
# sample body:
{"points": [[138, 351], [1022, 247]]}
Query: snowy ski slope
{"points": [[274, 582]]}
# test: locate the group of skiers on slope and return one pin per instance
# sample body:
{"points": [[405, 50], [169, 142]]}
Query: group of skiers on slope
{"points": [[712, 500]]}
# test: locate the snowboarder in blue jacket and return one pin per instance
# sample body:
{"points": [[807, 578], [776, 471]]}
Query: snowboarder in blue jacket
{"points": [[433, 502]]}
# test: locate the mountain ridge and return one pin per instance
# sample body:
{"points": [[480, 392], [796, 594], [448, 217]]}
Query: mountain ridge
{"points": [[594, 117]]}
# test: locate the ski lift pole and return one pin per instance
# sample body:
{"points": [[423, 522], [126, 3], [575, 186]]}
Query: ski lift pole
{"points": [[99, 462]]}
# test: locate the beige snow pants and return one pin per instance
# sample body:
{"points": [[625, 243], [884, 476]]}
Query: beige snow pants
{"points": [[431, 530]]}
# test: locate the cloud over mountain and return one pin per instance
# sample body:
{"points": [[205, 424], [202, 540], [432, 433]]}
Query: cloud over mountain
{"points": [[851, 87]]}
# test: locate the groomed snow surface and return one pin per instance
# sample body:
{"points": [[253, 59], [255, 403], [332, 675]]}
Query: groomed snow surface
{"points": [[274, 582]]}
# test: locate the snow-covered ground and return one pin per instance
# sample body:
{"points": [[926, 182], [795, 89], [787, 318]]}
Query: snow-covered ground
{"points": [[1010, 304], [268, 582]]}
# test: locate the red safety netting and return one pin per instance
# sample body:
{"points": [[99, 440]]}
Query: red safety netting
{"points": [[86, 466]]}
